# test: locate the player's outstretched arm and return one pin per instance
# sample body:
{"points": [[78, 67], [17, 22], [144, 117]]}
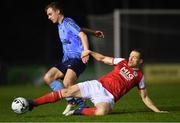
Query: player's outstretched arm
{"points": [[97, 33], [99, 57], [85, 44], [148, 102]]}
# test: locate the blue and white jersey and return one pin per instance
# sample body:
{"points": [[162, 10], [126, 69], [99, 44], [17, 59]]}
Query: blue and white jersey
{"points": [[68, 33]]}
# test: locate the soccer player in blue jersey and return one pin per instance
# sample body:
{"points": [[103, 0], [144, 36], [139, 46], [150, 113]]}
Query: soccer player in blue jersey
{"points": [[74, 43]]}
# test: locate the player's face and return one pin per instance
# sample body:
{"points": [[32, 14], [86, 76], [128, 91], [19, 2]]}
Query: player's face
{"points": [[53, 15], [134, 59]]}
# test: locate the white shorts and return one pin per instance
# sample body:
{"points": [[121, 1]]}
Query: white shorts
{"points": [[94, 91]]}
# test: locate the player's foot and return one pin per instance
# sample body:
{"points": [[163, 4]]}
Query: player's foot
{"points": [[74, 112], [74, 102], [70, 113], [31, 105], [70, 105], [68, 108]]}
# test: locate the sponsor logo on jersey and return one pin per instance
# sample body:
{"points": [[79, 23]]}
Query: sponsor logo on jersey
{"points": [[126, 74]]}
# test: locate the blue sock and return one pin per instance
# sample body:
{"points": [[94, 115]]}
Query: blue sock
{"points": [[57, 85]]}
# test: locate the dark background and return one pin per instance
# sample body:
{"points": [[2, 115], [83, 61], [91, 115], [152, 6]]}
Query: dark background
{"points": [[28, 37]]}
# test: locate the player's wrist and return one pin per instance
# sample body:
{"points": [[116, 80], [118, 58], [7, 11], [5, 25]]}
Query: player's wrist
{"points": [[86, 50]]}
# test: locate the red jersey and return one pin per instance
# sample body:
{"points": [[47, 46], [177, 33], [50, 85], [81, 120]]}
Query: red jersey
{"points": [[122, 78]]}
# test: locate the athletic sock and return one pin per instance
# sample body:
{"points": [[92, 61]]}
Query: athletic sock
{"points": [[48, 98], [57, 85], [85, 111]]}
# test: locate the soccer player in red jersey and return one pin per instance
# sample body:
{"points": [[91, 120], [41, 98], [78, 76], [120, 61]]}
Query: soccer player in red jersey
{"points": [[108, 89]]}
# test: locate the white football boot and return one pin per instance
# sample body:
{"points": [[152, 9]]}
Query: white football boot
{"points": [[68, 108]]}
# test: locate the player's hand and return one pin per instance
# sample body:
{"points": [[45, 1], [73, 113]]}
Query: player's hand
{"points": [[85, 59], [85, 53], [99, 34], [85, 56]]}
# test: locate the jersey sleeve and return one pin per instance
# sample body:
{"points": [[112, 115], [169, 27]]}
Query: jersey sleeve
{"points": [[73, 27], [141, 84], [117, 60]]}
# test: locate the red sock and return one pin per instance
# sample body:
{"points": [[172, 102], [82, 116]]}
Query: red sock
{"points": [[88, 111], [48, 98]]}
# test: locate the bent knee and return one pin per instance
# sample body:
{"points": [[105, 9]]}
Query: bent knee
{"points": [[47, 79], [100, 112], [103, 108]]}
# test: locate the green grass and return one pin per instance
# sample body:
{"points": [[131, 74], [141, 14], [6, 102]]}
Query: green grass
{"points": [[129, 109]]}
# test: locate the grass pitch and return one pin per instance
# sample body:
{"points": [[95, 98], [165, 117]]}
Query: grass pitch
{"points": [[129, 109]]}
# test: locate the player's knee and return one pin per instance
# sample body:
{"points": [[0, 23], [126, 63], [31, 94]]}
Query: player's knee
{"points": [[102, 111], [47, 79]]}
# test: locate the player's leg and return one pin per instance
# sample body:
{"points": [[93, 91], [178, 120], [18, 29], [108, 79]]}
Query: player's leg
{"points": [[74, 68], [52, 97], [102, 108], [69, 80], [102, 99], [51, 79], [52, 76]]}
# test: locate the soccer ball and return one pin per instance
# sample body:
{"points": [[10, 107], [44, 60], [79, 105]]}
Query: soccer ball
{"points": [[20, 105]]}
